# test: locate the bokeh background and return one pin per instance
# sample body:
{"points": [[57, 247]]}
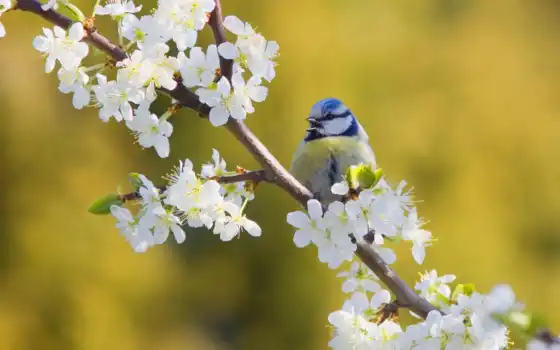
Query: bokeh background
{"points": [[460, 98]]}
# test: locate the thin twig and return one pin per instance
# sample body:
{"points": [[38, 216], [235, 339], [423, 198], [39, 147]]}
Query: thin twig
{"points": [[254, 176], [273, 171], [127, 197]]}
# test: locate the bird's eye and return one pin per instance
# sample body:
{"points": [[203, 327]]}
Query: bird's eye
{"points": [[328, 116]]}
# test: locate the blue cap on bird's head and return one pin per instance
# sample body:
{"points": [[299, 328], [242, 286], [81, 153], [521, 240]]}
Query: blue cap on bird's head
{"points": [[331, 117]]}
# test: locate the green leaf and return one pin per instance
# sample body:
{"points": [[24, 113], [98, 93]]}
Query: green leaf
{"points": [[135, 181], [75, 12], [363, 176], [103, 205]]}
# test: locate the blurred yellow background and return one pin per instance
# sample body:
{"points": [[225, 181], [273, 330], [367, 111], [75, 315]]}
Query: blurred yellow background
{"points": [[460, 98]]}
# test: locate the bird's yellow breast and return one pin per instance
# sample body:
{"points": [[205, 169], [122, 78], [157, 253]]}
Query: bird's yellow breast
{"points": [[320, 163]]}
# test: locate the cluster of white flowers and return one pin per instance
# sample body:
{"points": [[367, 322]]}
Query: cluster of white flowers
{"points": [[189, 199], [150, 65], [5, 5], [386, 211], [466, 320]]}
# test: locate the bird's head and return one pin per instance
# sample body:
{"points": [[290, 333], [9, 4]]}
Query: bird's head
{"points": [[330, 117]]}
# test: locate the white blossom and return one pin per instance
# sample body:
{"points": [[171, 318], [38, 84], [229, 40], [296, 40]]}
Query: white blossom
{"points": [[433, 287], [235, 192], [334, 245], [359, 277], [139, 239], [223, 103], [160, 222], [150, 130], [61, 46], [149, 66], [337, 219], [186, 191], [135, 69], [115, 96], [248, 92], [216, 168], [360, 212], [353, 331], [116, 8], [199, 68], [146, 31], [230, 226], [420, 238], [360, 302], [309, 225], [75, 81], [150, 195]]}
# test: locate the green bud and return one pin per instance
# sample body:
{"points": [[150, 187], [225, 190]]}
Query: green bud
{"points": [[363, 176], [466, 289], [103, 205], [469, 289]]}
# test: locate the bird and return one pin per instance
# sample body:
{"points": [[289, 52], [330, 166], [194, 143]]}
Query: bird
{"points": [[334, 141]]}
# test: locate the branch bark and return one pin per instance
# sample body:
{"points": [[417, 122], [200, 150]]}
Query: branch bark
{"points": [[273, 171]]}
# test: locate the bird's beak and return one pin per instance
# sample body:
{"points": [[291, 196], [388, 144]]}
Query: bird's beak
{"points": [[313, 122]]}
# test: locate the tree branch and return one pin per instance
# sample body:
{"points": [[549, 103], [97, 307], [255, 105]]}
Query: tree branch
{"points": [[276, 172], [273, 171], [216, 23]]}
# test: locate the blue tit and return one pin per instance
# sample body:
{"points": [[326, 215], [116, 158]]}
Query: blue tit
{"points": [[335, 140]]}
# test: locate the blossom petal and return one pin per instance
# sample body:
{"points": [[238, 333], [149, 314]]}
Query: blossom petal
{"points": [[315, 209], [252, 228], [234, 25], [340, 188], [76, 31], [380, 298], [302, 238], [298, 219], [179, 234], [258, 93], [228, 51], [218, 116]]}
